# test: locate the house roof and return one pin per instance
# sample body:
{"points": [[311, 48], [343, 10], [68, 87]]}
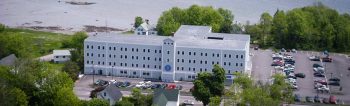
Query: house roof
{"points": [[61, 52], [8, 60], [113, 92], [162, 96]]}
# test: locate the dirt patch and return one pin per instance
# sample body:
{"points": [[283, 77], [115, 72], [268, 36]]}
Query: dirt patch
{"points": [[53, 28], [79, 3], [90, 28]]}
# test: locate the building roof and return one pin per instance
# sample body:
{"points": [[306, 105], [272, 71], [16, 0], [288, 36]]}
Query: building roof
{"points": [[162, 96], [113, 92], [8, 60], [147, 27], [186, 36], [61, 52]]}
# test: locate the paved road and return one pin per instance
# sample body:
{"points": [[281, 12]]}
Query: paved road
{"points": [[262, 70]]}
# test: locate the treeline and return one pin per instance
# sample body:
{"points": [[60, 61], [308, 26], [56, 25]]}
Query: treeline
{"points": [[309, 28], [219, 19]]}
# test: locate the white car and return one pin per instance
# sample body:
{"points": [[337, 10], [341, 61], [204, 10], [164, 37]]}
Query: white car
{"points": [[323, 88], [279, 67]]}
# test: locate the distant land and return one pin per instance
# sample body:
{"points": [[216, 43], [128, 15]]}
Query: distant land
{"points": [[74, 15]]}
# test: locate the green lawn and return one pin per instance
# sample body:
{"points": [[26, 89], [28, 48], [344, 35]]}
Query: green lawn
{"points": [[41, 43]]}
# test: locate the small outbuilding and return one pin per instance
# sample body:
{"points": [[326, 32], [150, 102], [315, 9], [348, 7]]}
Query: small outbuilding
{"points": [[60, 56]]}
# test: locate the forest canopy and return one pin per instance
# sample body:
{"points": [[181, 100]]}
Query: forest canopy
{"points": [[315, 27], [219, 19]]}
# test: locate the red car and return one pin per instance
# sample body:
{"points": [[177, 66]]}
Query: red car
{"points": [[171, 86], [327, 59], [332, 99]]}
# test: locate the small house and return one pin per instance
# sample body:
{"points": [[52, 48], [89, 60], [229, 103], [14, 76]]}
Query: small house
{"points": [[111, 93], [166, 97], [145, 29], [60, 56]]}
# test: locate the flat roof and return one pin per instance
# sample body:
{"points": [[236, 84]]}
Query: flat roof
{"points": [[186, 36], [61, 52]]}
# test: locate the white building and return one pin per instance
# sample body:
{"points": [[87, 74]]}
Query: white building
{"points": [[145, 29], [192, 49], [60, 56]]}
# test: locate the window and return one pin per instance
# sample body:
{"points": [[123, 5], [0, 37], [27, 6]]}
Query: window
{"points": [[143, 65], [212, 62], [114, 48], [87, 54], [229, 63], [121, 64], [160, 59], [114, 56], [236, 64], [177, 68], [103, 55], [134, 73], [110, 56], [160, 51], [103, 47], [147, 66], [225, 63], [183, 60], [137, 50], [126, 56], [189, 53], [92, 54], [155, 51], [241, 56], [241, 64], [137, 65], [98, 47], [168, 52], [144, 50], [98, 55], [132, 57], [148, 58], [110, 63], [132, 65], [205, 62], [201, 62], [178, 60], [182, 68], [183, 52], [167, 60], [98, 62], [236, 56], [121, 56], [87, 46], [132, 49], [92, 47], [159, 67], [103, 63], [193, 69], [126, 49], [155, 59], [87, 62], [149, 50], [205, 54], [229, 56], [110, 48], [137, 57], [121, 72], [194, 61], [217, 55], [201, 54], [144, 58], [189, 61], [155, 66], [194, 53], [213, 54], [121, 49], [178, 52], [104, 93], [225, 55]]}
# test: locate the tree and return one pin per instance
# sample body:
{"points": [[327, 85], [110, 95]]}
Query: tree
{"points": [[2, 27], [124, 102], [209, 85], [201, 92], [219, 19], [77, 43], [266, 25], [12, 96], [98, 102], [72, 69], [215, 101], [233, 95], [139, 99], [66, 97], [138, 21]]}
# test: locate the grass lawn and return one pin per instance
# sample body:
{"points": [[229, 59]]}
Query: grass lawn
{"points": [[54, 66], [42, 43]]}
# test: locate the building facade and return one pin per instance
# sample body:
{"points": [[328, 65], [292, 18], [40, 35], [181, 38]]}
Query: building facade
{"points": [[145, 29], [192, 49]]}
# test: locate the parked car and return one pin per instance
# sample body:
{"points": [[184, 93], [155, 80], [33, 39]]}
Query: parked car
{"points": [[300, 75], [314, 58], [321, 81], [332, 99], [316, 65], [309, 99], [154, 86], [297, 98], [327, 59], [325, 100], [317, 99], [319, 75], [319, 70], [256, 48], [294, 51], [171, 86], [283, 50], [118, 84], [101, 82], [334, 79], [126, 84], [334, 83], [188, 103], [322, 89]]}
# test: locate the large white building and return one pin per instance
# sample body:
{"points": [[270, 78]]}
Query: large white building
{"points": [[192, 49]]}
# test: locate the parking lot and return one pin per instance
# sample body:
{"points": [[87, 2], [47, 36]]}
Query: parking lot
{"points": [[262, 71]]}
